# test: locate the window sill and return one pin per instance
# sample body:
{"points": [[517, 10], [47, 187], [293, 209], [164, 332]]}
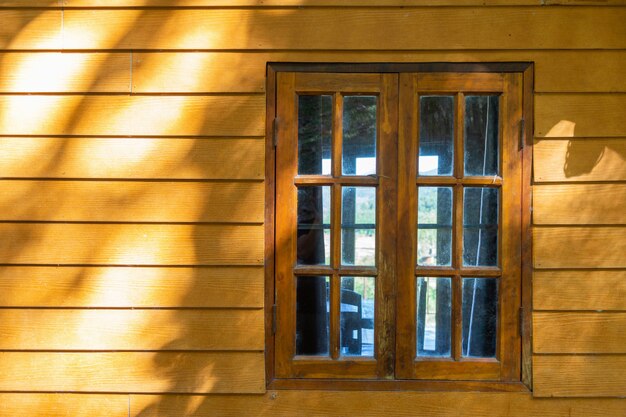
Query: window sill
{"points": [[396, 385]]}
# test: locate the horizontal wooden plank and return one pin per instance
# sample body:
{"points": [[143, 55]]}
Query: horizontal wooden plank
{"points": [[136, 330], [145, 372], [131, 287], [287, 403], [589, 115], [579, 332], [114, 201], [30, 29], [209, 72], [167, 72], [50, 72], [579, 290], [585, 2], [63, 405], [133, 115], [194, 72], [579, 376], [302, 3], [31, 3], [579, 204], [131, 158], [130, 244], [579, 247], [298, 3], [315, 28], [580, 160]]}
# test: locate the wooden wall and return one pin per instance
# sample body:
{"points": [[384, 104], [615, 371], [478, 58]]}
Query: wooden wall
{"points": [[132, 197]]}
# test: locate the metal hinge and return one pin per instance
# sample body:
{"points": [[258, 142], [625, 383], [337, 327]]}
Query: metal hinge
{"points": [[521, 321], [522, 134], [275, 132], [274, 319]]}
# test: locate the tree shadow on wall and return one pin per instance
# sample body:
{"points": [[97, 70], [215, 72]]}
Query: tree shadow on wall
{"points": [[182, 364]]}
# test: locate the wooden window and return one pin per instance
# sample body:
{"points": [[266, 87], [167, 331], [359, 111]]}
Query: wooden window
{"points": [[398, 212]]}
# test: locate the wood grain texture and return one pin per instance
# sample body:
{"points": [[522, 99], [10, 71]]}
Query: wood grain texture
{"points": [[140, 372], [287, 403], [50, 72], [112, 201], [131, 158], [63, 405], [579, 290], [126, 287], [136, 330], [298, 3], [579, 376], [589, 159], [335, 3], [195, 72], [313, 28], [169, 72], [585, 2], [579, 247], [579, 204], [592, 114], [579, 332], [130, 244], [30, 3], [133, 115], [30, 29]]}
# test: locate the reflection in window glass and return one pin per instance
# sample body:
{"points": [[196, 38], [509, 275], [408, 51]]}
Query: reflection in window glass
{"points": [[359, 135], [481, 135], [434, 315], [358, 226], [434, 226], [480, 317], [315, 115], [357, 316], [313, 247], [312, 315], [436, 135], [480, 226]]}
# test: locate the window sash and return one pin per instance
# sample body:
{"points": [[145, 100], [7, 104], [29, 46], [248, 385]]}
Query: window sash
{"points": [[396, 271]]}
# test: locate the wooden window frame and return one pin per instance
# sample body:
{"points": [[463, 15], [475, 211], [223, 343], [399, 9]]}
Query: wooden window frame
{"points": [[380, 374]]}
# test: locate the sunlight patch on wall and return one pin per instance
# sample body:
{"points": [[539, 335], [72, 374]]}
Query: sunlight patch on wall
{"points": [[563, 129], [151, 247], [85, 32], [35, 115], [47, 72]]}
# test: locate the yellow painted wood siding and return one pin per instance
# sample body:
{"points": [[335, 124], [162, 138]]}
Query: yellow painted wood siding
{"points": [[132, 196]]}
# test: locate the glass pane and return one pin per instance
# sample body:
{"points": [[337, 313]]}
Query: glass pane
{"points": [[357, 316], [480, 317], [436, 136], [480, 226], [313, 226], [315, 125], [434, 315], [358, 226], [481, 135], [434, 226], [359, 135], [312, 315]]}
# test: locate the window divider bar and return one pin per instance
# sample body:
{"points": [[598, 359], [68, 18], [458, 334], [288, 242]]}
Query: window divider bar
{"points": [[337, 135], [441, 181], [458, 136], [335, 308], [344, 180], [457, 322]]}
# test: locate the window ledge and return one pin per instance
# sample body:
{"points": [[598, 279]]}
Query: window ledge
{"points": [[395, 385]]}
